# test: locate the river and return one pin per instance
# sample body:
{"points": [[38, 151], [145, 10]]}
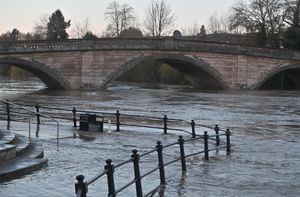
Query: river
{"points": [[265, 158]]}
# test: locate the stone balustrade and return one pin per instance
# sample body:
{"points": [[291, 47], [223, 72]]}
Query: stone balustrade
{"points": [[146, 43]]}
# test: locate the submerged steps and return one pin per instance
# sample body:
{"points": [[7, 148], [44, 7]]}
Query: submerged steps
{"points": [[19, 156]]}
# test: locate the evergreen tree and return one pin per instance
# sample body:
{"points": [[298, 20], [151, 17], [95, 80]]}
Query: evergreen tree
{"points": [[89, 36], [56, 28]]}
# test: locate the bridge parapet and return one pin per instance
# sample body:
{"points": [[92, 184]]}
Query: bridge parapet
{"points": [[147, 43]]}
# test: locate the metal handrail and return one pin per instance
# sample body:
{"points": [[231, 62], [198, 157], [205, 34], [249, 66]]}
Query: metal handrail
{"points": [[141, 176], [36, 113]]}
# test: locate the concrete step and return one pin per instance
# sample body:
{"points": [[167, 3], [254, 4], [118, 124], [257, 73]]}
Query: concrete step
{"points": [[19, 156], [22, 143], [7, 149], [32, 159], [7, 152], [7, 137]]}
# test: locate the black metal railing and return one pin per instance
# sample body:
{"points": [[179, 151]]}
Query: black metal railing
{"points": [[115, 120], [120, 120], [81, 187], [14, 112]]}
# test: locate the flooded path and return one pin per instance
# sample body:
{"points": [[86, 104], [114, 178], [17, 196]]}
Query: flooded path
{"points": [[266, 135]]}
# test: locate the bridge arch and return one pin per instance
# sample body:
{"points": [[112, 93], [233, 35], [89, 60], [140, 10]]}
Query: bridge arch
{"points": [[199, 73], [52, 78], [283, 73]]}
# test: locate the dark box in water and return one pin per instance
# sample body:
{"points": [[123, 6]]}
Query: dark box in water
{"points": [[88, 122]]}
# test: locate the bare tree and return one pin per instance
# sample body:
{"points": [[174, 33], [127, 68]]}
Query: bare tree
{"points": [[159, 18], [219, 23], [81, 28], [191, 31], [40, 28], [293, 13], [119, 18], [266, 18]]}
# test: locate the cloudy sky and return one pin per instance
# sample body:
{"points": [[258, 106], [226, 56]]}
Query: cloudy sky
{"points": [[23, 14]]}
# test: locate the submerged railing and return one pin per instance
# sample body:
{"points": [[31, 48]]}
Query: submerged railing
{"points": [[121, 121], [115, 120], [23, 113], [81, 187]]}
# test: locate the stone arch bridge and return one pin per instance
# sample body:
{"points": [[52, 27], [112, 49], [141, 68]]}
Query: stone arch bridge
{"points": [[94, 64]]}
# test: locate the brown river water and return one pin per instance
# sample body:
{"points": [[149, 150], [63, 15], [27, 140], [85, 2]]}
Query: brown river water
{"points": [[265, 159]]}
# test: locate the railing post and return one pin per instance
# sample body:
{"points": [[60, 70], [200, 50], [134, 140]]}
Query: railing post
{"points": [[37, 107], [159, 149], [205, 137], [118, 120], [193, 129], [138, 182], [182, 155], [217, 129], [81, 188], [110, 178], [165, 124], [74, 116], [228, 133], [8, 111]]}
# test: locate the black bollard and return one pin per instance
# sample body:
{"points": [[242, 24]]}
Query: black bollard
{"points": [[193, 128], [118, 120], [217, 129], [165, 124], [74, 117], [228, 133], [81, 188], [182, 155], [159, 149], [8, 111], [110, 178], [137, 176], [37, 107], [205, 137]]}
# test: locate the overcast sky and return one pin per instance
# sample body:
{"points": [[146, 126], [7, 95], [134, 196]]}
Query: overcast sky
{"points": [[23, 14]]}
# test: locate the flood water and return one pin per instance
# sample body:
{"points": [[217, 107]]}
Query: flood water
{"points": [[265, 160]]}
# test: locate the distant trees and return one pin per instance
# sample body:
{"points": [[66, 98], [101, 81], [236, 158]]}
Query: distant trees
{"points": [[81, 28], [14, 35], [291, 37], [131, 32], [89, 36], [56, 27], [119, 17], [265, 18], [219, 23], [159, 18], [40, 28]]}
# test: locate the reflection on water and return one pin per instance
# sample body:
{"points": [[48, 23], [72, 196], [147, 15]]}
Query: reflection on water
{"points": [[265, 159]]}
